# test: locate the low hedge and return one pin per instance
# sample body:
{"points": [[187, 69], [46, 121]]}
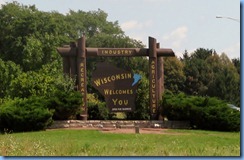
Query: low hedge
{"points": [[66, 105], [207, 113], [30, 114]]}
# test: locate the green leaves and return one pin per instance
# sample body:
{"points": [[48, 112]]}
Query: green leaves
{"points": [[8, 72], [203, 112], [208, 74], [25, 114]]}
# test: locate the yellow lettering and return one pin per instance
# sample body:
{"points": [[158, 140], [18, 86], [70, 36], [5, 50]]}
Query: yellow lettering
{"points": [[118, 76], [113, 78], [105, 80], [154, 110], [114, 101], [154, 95], [97, 82], [106, 91]]}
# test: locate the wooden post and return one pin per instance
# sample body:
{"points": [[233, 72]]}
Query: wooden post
{"points": [[73, 60], [66, 65], [81, 75], [160, 73], [153, 84]]}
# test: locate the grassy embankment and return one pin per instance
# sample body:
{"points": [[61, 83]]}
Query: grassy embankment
{"points": [[95, 143]]}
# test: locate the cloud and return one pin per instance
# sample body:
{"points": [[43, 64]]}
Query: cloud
{"points": [[151, 1], [176, 37], [232, 51], [2, 2], [133, 24]]}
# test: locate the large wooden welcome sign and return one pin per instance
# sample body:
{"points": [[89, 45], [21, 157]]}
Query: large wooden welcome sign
{"points": [[117, 86], [120, 97]]}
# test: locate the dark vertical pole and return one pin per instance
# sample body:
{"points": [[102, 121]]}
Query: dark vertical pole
{"points": [[73, 60], [66, 65], [153, 93], [160, 73], [81, 74]]}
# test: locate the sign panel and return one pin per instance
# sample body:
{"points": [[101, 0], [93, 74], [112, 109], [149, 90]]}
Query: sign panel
{"points": [[153, 85], [82, 84], [117, 86], [116, 52]]}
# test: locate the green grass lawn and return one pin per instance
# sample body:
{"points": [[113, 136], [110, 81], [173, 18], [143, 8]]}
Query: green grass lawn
{"points": [[94, 143]]}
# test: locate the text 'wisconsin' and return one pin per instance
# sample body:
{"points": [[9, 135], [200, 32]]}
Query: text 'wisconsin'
{"points": [[101, 81]]}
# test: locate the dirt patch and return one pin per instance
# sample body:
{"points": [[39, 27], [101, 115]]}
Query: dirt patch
{"points": [[132, 130], [141, 131], [128, 130]]}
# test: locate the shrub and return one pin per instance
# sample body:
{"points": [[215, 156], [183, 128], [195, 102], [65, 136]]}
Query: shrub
{"points": [[142, 110], [203, 112], [97, 110], [66, 105], [29, 114]]}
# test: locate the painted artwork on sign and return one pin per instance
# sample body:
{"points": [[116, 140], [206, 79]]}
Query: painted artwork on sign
{"points": [[118, 86]]}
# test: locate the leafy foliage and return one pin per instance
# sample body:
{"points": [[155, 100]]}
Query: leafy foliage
{"points": [[203, 112], [208, 74], [174, 76], [66, 105], [97, 110], [8, 72], [142, 110], [29, 114]]}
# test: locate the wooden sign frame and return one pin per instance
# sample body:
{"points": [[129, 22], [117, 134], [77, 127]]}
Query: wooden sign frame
{"points": [[74, 63]]}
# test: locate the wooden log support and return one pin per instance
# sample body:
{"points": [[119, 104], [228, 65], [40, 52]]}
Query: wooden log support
{"points": [[153, 84], [81, 75], [160, 75]]}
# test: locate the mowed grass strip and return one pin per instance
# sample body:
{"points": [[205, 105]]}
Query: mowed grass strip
{"points": [[95, 143]]}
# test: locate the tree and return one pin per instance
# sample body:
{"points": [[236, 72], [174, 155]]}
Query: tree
{"points": [[8, 72], [198, 72], [46, 82], [226, 82], [237, 64], [29, 37], [174, 76], [208, 74], [90, 23]]}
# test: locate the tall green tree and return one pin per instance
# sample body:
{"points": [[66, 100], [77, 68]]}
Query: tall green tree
{"points": [[8, 72], [237, 64], [208, 74], [198, 72], [29, 37], [226, 81], [174, 77]]}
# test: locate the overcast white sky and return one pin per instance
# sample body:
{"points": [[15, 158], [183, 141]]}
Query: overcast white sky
{"points": [[177, 24]]}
